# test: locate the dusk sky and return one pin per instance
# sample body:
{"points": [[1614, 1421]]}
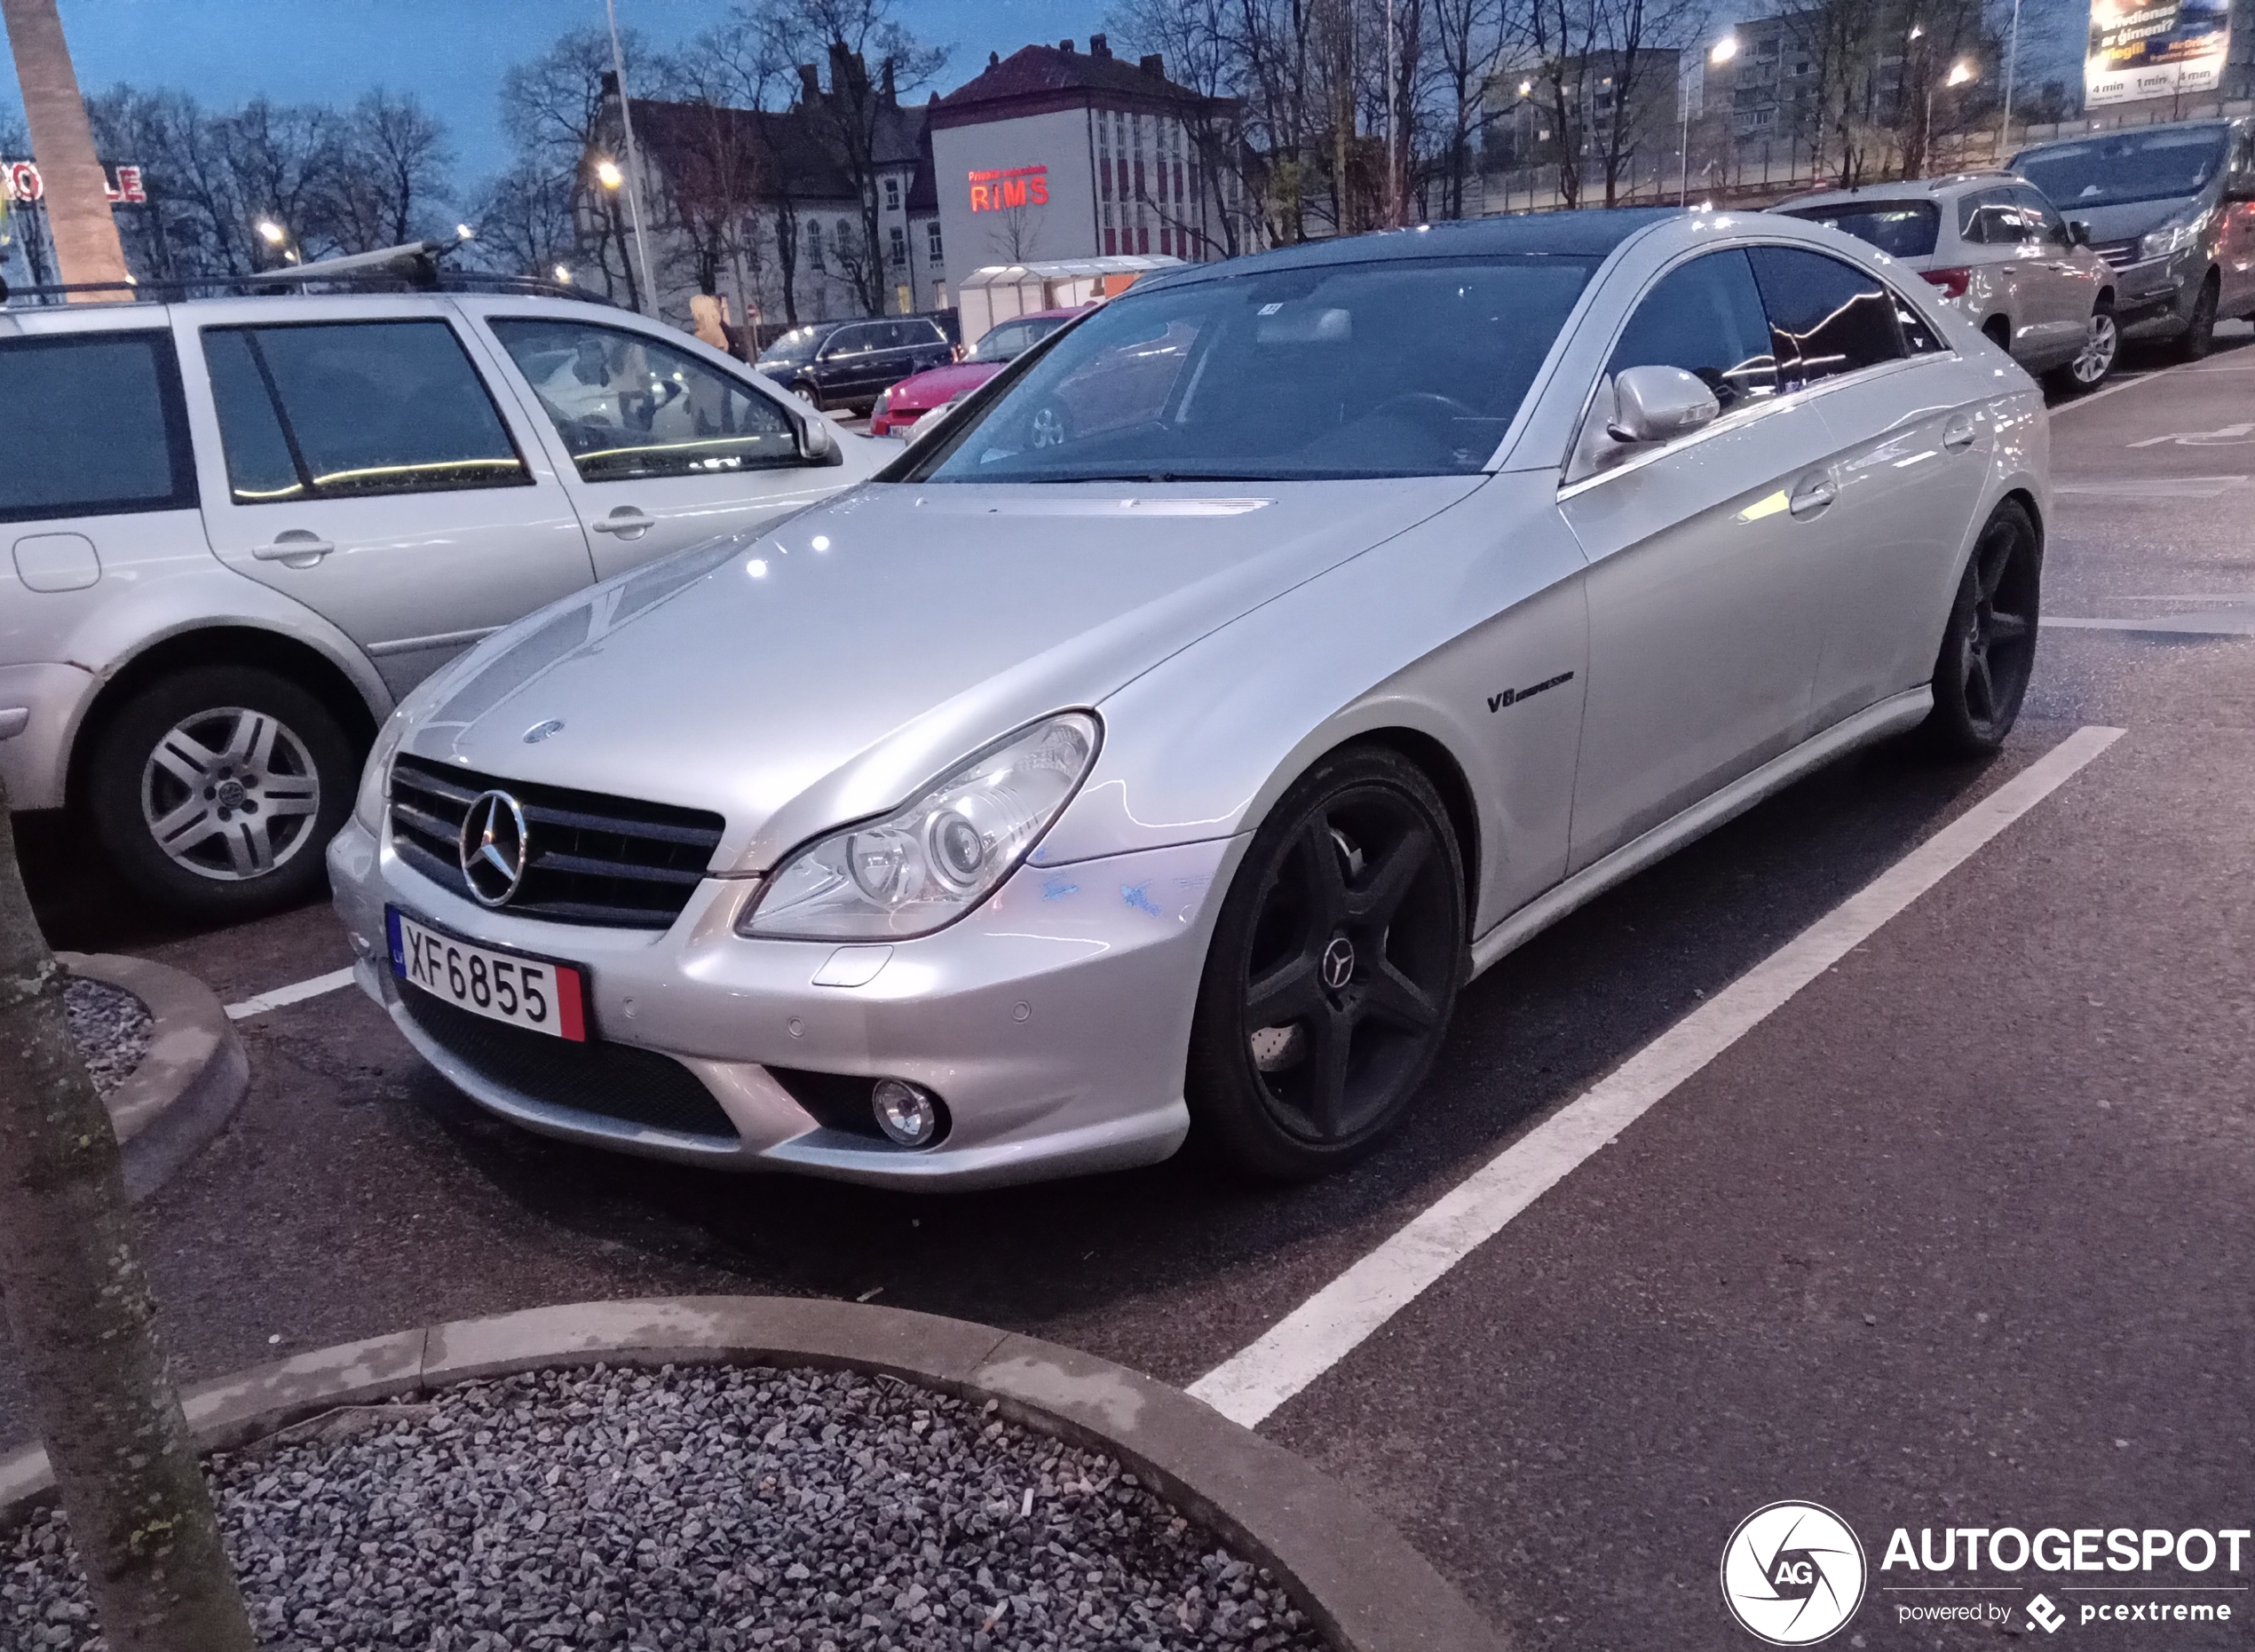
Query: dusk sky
{"points": [[450, 53]]}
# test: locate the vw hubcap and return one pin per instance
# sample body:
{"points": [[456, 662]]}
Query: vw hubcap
{"points": [[230, 793]]}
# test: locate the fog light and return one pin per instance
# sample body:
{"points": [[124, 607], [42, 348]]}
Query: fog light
{"points": [[907, 1114]]}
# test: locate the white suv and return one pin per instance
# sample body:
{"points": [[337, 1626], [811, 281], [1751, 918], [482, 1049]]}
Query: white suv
{"points": [[2002, 255], [241, 527]]}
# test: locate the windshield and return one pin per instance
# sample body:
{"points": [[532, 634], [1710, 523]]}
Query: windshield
{"points": [[1404, 367], [2130, 166], [1903, 229], [794, 347], [1012, 339]]}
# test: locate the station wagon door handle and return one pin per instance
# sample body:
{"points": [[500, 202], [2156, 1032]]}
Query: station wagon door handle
{"points": [[295, 549], [626, 522], [1957, 435], [1814, 493]]}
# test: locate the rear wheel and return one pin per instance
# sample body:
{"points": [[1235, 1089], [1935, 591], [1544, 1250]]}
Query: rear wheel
{"points": [[216, 790], [2094, 364], [804, 390], [2199, 336], [1989, 650], [1333, 972]]}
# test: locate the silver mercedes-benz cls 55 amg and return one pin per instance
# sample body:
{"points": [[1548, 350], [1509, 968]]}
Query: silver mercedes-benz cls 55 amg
{"points": [[1161, 741]]}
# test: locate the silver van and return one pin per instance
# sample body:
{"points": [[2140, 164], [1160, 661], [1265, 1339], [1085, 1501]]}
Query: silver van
{"points": [[2173, 209], [237, 529]]}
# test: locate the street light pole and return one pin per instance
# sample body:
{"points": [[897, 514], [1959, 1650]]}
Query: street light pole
{"points": [[634, 186], [1720, 53], [2011, 57]]}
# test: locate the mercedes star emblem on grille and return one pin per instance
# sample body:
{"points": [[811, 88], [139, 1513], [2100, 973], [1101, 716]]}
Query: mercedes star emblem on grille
{"points": [[493, 845]]}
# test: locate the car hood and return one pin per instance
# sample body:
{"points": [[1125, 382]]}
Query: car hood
{"points": [[825, 670], [940, 386]]}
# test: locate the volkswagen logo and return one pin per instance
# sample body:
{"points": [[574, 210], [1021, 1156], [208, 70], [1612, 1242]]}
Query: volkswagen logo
{"points": [[494, 846], [1338, 962]]}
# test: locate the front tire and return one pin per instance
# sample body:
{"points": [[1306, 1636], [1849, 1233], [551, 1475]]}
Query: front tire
{"points": [[1989, 649], [2094, 365], [216, 790], [2199, 336], [1333, 971]]}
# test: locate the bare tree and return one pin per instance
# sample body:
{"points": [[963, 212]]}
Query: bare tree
{"points": [[524, 222], [83, 1324], [390, 173]]}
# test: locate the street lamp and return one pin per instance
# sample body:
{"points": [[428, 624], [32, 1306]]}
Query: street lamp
{"points": [[563, 275], [1961, 73], [607, 174], [463, 231], [1718, 54], [273, 234]]}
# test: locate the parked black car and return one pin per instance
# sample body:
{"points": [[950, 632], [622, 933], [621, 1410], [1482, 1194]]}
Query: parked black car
{"points": [[850, 364]]}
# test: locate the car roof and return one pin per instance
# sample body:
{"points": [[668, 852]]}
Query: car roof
{"points": [[1902, 189], [1592, 233]]}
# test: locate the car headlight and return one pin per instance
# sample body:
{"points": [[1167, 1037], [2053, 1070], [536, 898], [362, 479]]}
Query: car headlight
{"points": [[375, 779], [2173, 237], [923, 866]]}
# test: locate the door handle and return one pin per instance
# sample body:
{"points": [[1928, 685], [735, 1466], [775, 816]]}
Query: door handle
{"points": [[626, 522], [1813, 495], [1957, 435], [295, 548]]}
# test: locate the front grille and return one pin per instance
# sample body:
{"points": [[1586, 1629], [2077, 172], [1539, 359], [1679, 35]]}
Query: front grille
{"points": [[2116, 253], [589, 858], [612, 1080]]}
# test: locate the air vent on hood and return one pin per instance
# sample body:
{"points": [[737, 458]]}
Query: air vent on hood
{"points": [[589, 858]]}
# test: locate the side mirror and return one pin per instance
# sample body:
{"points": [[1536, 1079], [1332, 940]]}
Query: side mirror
{"points": [[1655, 403], [2079, 232]]}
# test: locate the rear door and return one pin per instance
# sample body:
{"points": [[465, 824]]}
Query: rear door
{"points": [[2062, 287], [659, 444], [351, 456], [850, 361], [1911, 442], [1708, 601], [1990, 227]]}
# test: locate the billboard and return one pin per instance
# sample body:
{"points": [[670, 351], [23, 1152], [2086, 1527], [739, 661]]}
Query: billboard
{"points": [[2155, 49]]}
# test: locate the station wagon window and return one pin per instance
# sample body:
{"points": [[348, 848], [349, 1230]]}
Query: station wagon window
{"points": [[632, 408], [347, 409], [94, 427], [1827, 318], [1706, 317]]}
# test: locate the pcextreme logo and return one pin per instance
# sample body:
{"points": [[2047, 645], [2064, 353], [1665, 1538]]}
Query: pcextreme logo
{"points": [[1793, 1574]]}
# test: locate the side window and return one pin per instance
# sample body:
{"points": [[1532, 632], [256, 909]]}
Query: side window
{"points": [[95, 427], [847, 341], [1918, 339], [1981, 218], [2042, 217], [631, 409], [1707, 317], [344, 409], [1827, 318], [923, 333]]}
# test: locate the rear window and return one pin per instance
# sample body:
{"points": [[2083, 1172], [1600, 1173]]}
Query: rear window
{"points": [[1901, 229], [94, 427], [1400, 367]]}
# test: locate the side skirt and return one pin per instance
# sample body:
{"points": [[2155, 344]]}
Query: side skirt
{"points": [[1874, 722]]}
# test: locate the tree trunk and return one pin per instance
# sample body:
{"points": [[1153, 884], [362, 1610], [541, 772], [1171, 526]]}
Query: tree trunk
{"points": [[83, 1321], [73, 186]]}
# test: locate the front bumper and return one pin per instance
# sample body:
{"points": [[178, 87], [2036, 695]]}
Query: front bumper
{"points": [[1053, 1022], [2155, 299]]}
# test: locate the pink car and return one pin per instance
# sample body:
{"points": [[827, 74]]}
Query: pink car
{"points": [[899, 408]]}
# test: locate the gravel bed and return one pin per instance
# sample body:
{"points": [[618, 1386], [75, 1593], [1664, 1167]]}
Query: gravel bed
{"points": [[707, 1507], [111, 1028]]}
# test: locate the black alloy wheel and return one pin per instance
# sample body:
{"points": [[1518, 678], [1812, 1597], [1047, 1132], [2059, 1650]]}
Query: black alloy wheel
{"points": [[1333, 972], [2199, 336], [1989, 650]]}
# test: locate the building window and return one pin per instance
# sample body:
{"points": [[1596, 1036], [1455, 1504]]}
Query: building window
{"points": [[903, 299], [892, 195], [814, 244], [899, 239], [939, 295], [931, 244]]}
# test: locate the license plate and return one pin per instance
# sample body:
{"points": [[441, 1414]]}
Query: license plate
{"points": [[538, 994]]}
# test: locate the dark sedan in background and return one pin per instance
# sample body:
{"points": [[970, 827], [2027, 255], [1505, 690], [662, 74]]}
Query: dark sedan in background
{"points": [[849, 364]]}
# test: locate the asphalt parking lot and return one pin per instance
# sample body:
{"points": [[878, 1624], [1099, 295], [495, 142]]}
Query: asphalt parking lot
{"points": [[1957, 1235]]}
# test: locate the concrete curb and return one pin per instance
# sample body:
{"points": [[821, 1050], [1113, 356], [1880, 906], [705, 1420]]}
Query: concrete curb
{"points": [[190, 1082], [1348, 1569]]}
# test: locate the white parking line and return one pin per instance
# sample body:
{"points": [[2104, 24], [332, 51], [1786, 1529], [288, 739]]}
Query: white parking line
{"points": [[296, 992], [1330, 1324]]}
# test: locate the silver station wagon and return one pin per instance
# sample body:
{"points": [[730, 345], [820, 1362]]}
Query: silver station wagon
{"points": [[239, 528], [1162, 742]]}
